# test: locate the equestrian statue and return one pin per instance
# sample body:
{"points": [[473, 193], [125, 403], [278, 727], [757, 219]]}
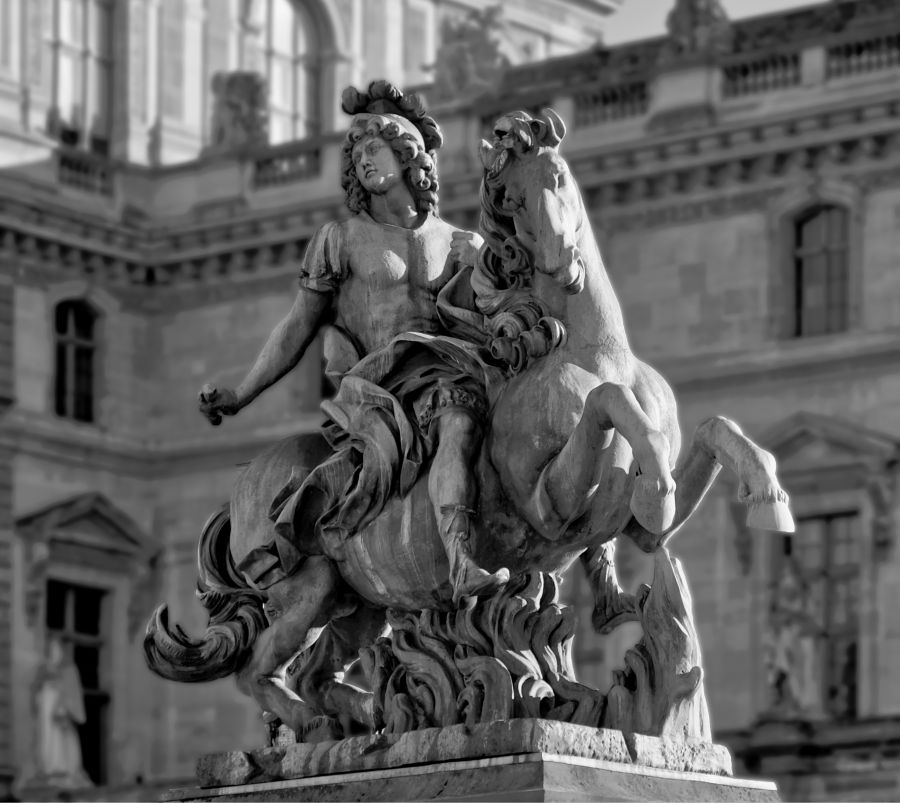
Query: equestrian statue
{"points": [[491, 426]]}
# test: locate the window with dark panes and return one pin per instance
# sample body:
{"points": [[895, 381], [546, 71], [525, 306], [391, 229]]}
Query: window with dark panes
{"points": [[821, 272], [7, 32], [78, 35], [75, 326], [292, 69], [75, 614], [825, 553]]}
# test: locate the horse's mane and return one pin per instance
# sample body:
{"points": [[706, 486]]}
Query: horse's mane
{"points": [[520, 326]]}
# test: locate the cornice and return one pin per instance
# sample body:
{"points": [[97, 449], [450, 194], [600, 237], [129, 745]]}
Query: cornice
{"points": [[787, 361], [68, 443], [653, 181]]}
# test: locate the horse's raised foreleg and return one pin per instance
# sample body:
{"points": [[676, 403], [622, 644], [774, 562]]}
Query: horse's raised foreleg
{"points": [[298, 608], [575, 475], [719, 442]]}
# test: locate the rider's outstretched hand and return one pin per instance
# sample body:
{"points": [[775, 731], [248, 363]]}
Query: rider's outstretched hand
{"points": [[216, 402], [464, 247]]}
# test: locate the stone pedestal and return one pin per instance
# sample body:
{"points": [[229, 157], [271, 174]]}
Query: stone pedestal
{"points": [[528, 776], [523, 759]]}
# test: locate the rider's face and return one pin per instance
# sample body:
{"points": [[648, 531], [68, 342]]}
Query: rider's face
{"points": [[377, 166]]}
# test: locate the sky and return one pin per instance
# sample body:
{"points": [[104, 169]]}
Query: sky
{"points": [[639, 19]]}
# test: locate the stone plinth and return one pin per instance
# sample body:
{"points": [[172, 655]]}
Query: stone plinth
{"points": [[522, 759], [528, 776]]}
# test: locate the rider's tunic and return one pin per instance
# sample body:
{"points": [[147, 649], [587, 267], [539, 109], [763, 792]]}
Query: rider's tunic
{"points": [[398, 373]]}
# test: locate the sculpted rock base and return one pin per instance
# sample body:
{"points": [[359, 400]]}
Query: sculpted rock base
{"points": [[521, 759], [457, 743]]}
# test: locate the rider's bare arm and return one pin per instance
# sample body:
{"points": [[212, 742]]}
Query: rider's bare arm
{"points": [[283, 350]]}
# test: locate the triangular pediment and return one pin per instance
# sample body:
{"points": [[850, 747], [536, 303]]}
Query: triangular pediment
{"points": [[806, 441], [88, 520]]}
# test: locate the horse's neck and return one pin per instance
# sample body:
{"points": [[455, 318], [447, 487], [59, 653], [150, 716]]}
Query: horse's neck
{"points": [[593, 316]]}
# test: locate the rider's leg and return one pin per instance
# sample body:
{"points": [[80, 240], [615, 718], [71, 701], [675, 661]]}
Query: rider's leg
{"points": [[453, 491], [298, 607]]}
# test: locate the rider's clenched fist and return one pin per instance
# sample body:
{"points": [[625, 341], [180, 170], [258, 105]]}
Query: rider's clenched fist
{"points": [[216, 402]]}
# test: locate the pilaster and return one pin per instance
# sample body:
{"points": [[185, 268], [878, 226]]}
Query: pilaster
{"points": [[7, 734]]}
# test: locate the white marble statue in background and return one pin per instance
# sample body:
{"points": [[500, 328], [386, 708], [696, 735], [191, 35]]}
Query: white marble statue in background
{"points": [[791, 648], [59, 709]]}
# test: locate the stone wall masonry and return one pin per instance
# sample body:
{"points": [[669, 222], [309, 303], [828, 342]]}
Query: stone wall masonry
{"points": [[692, 288], [881, 249], [218, 344]]}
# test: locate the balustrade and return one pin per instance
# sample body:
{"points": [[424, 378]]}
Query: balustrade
{"points": [[863, 56], [84, 171], [767, 73], [606, 104], [285, 164]]}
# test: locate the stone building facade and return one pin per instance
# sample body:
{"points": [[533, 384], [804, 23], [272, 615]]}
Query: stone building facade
{"points": [[132, 134], [744, 181]]}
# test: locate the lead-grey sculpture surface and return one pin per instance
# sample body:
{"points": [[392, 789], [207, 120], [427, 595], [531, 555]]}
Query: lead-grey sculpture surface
{"points": [[491, 426]]}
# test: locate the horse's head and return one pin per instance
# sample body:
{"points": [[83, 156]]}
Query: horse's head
{"points": [[528, 181]]}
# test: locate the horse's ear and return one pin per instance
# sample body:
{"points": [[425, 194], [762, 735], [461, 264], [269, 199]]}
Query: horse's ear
{"points": [[554, 127]]}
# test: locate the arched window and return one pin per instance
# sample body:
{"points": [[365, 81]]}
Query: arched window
{"points": [[821, 271], [79, 34], [292, 69], [75, 326]]}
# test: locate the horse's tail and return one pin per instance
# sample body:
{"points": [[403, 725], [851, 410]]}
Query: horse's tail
{"points": [[235, 610]]}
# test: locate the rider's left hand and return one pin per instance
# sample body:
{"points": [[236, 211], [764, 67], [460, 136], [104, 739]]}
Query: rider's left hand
{"points": [[464, 247]]}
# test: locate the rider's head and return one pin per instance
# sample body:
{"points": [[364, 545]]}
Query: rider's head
{"points": [[384, 111], [406, 142]]}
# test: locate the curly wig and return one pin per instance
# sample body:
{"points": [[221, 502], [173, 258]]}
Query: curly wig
{"points": [[418, 166]]}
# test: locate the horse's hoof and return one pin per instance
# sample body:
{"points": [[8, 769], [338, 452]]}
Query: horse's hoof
{"points": [[652, 506], [770, 516]]}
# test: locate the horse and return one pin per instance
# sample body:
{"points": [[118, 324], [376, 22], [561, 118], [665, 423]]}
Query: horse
{"points": [[582, 446]]}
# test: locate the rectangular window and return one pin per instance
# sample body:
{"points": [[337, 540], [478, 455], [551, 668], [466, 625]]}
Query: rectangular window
{"points": [[217, 59], [821, 272], [415, 43], [75, 614], [6, 36], [78, 46], [75, 350], [173, 59], [824, 554]]}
